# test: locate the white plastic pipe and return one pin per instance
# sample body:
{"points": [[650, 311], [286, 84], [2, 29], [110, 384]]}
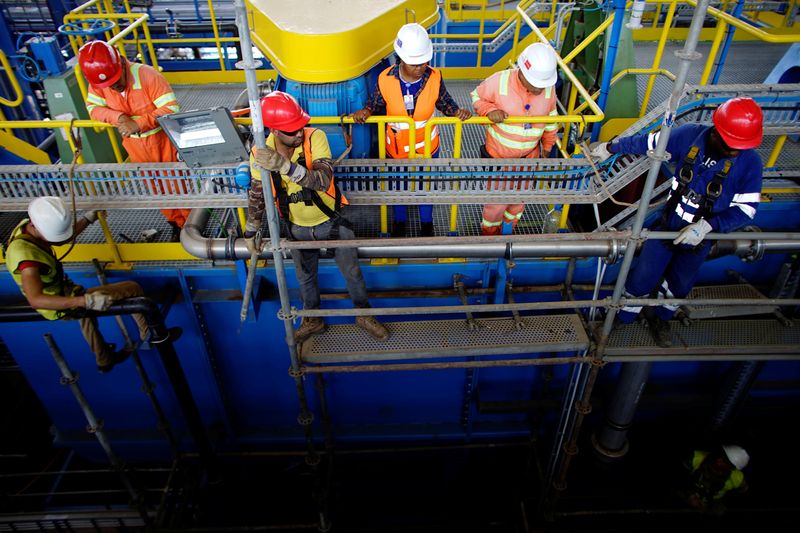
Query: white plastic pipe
{"points": [[635, 23]]}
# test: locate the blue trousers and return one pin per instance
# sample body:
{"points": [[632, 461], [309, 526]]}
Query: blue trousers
{"points": [[670, 269]]}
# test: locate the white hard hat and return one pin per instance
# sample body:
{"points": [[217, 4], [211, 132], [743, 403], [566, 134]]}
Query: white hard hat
{"points": [[736, 455], [538, 64], [51, 217], [413, 45]]}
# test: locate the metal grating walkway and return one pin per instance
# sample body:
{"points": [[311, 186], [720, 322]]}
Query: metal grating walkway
{"points": [[425, 339], [715, 339], [720, 292]]}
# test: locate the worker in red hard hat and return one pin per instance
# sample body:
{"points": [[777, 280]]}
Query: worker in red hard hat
{"points": [[716, 187], [413, 88], [310, 204], [131, 96]]}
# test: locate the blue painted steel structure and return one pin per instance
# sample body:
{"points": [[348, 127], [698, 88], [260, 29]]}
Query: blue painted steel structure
{"points": [[238, 373]]}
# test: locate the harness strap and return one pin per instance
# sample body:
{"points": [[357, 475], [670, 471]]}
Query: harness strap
{"points": [[685, 175], [713, 191]]}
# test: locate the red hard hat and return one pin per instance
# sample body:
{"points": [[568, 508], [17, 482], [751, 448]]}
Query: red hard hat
{"points": [[100, 63], [280, 111], [739, 123]]}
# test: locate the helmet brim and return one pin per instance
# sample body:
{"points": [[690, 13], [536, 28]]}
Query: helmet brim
{"points": [[109, 82], [294, 125], [740, 144], [542, 84], [408, 59], [58, 237]]}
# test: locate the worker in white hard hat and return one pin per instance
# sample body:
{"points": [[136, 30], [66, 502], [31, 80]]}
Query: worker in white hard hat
{"points": [[715, 474], [40, 275], [528, 90], [412, 88]]}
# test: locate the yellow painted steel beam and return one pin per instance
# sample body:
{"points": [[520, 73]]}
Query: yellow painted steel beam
{"points": [[199, 77], [662, 42], [24, 150], [323, 55], [776, 151]]}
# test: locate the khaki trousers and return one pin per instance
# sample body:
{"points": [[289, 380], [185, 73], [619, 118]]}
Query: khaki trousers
{"points": [[89, 329]]}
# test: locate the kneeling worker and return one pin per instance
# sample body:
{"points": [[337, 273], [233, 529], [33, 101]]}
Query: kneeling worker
{"points": [[32, 263], [299, 160]]}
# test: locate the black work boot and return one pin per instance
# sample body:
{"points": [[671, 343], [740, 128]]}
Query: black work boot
{"points": [[659, 328], [426, 229], [174, 333]]}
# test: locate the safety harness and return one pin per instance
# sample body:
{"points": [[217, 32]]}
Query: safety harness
{"points": [[309, 197], [685, 175]]}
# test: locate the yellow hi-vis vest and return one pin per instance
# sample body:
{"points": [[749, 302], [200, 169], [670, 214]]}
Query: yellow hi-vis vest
{"points": [[22, 247]]}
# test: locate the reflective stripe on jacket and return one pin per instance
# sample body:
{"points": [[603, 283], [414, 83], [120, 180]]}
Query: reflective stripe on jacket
{"points": [[397, 141], [504, 91], [734, 481], [21, 248], [147, 96]]}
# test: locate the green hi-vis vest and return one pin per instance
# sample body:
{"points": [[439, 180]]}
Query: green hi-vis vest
{"points": [[21, 248]]}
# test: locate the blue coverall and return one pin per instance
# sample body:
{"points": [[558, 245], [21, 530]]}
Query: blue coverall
{"points": [[675, 267]]}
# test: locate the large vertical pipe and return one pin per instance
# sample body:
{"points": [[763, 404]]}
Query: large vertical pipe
{"points": [[612, 440], [305, 418], [609, 59], [579, 410], [95, 426], [735, 391]]}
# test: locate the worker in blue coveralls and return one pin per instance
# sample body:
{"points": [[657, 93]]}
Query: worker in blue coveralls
{"points": [[716, 187]]}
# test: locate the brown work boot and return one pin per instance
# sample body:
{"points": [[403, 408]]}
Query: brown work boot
{"points": [[311, 325], [373, 327], [106, 364]]}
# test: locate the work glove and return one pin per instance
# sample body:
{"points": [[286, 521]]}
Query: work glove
{"points": [[98, 301], [693, 234], [275, 162], [599, 152], [91, 216], [271, 160]]}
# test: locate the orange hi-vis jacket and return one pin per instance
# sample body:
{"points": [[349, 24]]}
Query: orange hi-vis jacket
{"points": [[147, 96], [504, 91], [397, 139]]}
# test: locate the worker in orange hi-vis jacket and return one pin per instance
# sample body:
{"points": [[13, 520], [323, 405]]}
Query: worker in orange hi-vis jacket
{"points": [[131, 97], [529, 90]]}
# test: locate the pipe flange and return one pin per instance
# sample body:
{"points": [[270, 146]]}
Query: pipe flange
{"points": [[651, 154], [758, 247], [70, 381], [692, 55], [611, 454], [613, 252], [94, 429], [305, 419]]}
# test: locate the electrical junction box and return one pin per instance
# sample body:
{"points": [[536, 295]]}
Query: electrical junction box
{"points": [[65, 102]]}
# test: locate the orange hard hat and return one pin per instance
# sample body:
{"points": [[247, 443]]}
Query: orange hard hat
{"points": [[280, 111], [739, 122], [100, 63]]}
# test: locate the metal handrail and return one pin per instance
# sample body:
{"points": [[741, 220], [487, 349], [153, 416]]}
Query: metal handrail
{"points": [[12, 78]]}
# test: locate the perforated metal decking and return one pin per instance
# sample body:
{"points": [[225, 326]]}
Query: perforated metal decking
{"points": [[708, 340], [427, 339]]}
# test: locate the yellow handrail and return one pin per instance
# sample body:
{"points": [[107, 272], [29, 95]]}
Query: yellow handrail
{"points": [[14, 83], [749, 28], [621, 74]]}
